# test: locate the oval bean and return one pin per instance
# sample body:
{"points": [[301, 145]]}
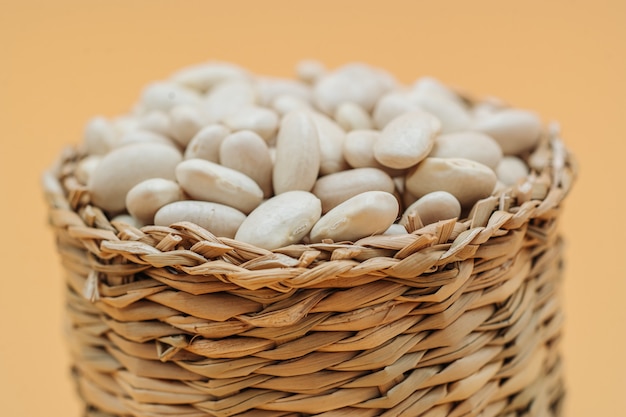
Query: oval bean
{"points": [[511, 170], [516, 130], [336, 188], [365, 214], [156, 121], [285, 103], [185, 122], [123, 168], [358, 151], [310, 70], [143, 136], [469, 181], [433, 207], [86, 167], [100, 136], [469, 145], [395, 229], [227, 98], [268, 88], [351, 116], [203, 77], [406, 140], [219, 219], [147, 197], [452, 115], [331, 137], [208, 181], [280, 221], [429, 86], [260, 120], [297, 161], [247, 152], [128, 219], [166, 95], [206, 143], [433, 97], [390, 106], [358, 83]]}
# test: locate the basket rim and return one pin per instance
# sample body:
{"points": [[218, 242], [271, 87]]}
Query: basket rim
{"points": [[498, 217]]}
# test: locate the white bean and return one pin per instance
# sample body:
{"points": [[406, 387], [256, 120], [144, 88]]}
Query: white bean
{"points": [[309, 70], [469, 181], [429, 86], [297, 153], [487, 106], [351, 116], [128, 219], [247, 152], [285, 103], [125, 124], [469, 145], [336, 188], [358, 148], [166, 95], [406, 140], [511, 170], [123, 168], [280, 221], [363, 215], [86, 167], [100, 136], [143, 136], [395, 229], [261, 120], [390, 106], [331, 137], [433, 207], [204, 76], [268, 88], [208, 181], [185, 122], [453, 115], [206, 143], [228, 98], [358, 151], [516, 130], [156, 121], [358, 83], [147, 197], [219, 219]]}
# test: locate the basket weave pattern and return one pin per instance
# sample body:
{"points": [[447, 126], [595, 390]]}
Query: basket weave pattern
{"points": [[458, 318]]}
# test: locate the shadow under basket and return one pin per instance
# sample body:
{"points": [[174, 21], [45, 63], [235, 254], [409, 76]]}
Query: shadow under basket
{"points": [[458, 318]]}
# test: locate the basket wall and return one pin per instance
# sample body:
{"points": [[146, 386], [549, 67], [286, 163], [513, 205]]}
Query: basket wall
{"points": [[458, 318]]}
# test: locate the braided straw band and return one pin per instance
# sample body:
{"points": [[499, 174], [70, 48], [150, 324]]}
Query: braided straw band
{"points": [[457, 318]]}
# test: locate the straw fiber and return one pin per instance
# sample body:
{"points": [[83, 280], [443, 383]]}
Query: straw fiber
{"points": [[459, 318]]}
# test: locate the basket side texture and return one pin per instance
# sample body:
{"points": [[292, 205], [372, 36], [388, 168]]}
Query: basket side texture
{"points": [[457, 318]]}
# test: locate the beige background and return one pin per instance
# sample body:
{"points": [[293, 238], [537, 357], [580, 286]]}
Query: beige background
{"points": [[62, 62]]}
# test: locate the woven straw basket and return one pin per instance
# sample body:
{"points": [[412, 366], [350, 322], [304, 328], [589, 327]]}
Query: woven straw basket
{"points": [[458, 318]]}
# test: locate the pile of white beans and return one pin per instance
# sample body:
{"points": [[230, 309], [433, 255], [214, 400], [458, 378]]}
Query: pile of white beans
{"points": [[329, 155]]}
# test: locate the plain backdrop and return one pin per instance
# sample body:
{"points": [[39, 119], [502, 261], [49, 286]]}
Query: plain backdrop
{"points": [[62, 62]]}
